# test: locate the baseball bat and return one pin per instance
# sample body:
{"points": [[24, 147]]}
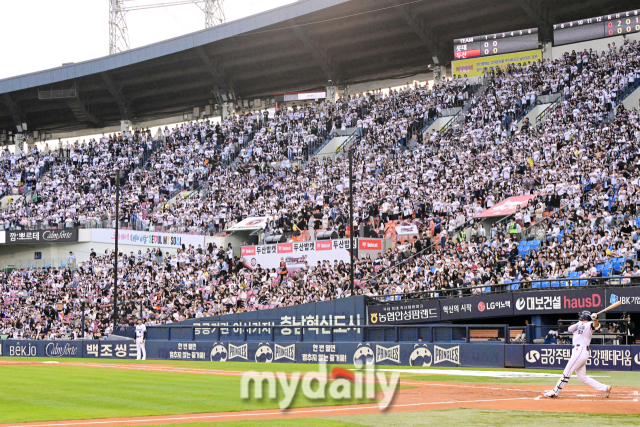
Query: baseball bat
{"points": [[614, 305]]}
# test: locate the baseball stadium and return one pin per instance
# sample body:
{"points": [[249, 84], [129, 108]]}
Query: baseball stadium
{"points": [[350, 212]]}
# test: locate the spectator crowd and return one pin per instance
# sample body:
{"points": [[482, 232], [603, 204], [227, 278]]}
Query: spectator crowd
{"points": [[580, 163]]}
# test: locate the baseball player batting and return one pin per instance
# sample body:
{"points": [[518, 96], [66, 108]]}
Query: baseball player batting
{"points": [[141, 334], [578, 363]]}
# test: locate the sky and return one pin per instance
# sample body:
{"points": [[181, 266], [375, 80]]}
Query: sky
{"points": [[42, 34]]}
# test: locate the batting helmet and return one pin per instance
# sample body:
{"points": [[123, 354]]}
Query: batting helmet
{"points": [[585, 315]]}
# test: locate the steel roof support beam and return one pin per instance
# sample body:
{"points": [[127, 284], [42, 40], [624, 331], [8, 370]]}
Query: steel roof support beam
{"points": [[117, 95], [218, 77], [536, 15], [317, 56], [418, 29], [13, 109], [81, 113]]}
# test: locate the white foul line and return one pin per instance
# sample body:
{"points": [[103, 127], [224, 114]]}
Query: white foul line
{"points": [[309, 411]]}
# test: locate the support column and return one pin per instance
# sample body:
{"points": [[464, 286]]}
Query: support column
{"points": [[124, 125], [227, 110], [439, 71], [332, 93]]}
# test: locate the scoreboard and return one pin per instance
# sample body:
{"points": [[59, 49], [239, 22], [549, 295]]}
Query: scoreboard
{"points": [[615, 24], [495, 44]]}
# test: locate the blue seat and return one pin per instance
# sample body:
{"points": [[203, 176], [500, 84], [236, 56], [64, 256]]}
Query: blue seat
{"points": [[637, 222], [606, 272], [563, 283], [535, 285], [63, 265], [584, 282], [555, 284], [546, 284], [514, 286], [599, 267]]}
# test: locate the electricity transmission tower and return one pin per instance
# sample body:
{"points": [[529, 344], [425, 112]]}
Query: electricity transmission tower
{"points": [[119, 35]]}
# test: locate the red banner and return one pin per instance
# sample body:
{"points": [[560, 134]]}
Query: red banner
{"points": [[506, 207]]}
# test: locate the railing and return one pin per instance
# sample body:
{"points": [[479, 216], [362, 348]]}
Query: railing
{"points": [[451, 122], [447, 112], [428, 123], [548, 99], [628, 91], [314, 149], [549, 108], [540, 100], [345, 144], [371, 333], [508, 287]]}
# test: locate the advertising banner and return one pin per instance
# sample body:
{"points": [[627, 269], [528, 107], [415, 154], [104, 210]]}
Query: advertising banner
{"points": [[110, 349], [378, 353], [251, 223], [475, 67], [602, 357], [474, 307], [404, 229], [296, 254], [506, 207], [370, 245], [630, 298], [404, 312], [635, 357], [42, 236], [26, 348], [569, 301], [347, 312], [147, 239]]}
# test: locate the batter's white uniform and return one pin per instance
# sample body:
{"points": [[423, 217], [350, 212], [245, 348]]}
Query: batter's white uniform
{"points": [[141, 351], [578, 362]]}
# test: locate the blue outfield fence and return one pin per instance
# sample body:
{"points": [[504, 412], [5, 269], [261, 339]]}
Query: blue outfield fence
{"points": [[418, 354]]}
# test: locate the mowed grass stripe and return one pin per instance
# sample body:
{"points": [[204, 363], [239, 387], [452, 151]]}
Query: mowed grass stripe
{"points": [[470, 417], [59, 392]]}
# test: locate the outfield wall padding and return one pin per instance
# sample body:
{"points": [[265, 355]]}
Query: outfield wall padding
{"points": [[603, 357], [514, 356]]}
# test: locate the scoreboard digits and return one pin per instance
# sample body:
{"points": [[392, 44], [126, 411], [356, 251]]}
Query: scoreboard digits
{"points": [[598, 27], [611, 25], [495, 44], [620, 26]]}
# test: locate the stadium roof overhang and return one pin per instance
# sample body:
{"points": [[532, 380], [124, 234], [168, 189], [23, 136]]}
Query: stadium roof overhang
{"points": [[297, 47]]}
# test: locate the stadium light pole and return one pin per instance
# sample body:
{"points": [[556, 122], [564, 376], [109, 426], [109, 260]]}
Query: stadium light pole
{"points": [[351, 218], [83, 301], [115, 266]]}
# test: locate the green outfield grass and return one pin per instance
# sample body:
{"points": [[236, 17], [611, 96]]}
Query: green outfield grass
{"points": [[462, 417], [59, 392], [47, 392], [616, 378]]}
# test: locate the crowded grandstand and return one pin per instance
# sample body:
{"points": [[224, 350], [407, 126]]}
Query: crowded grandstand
{"points": [[578, 163]]}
